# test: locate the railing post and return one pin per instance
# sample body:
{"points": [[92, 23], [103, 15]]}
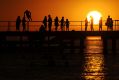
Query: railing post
{"points": [[81, 25], [8, 25], [115, 25], [27, 25]]}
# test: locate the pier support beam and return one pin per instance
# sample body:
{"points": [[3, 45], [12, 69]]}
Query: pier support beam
{"points": [[114, 45], [105, 41], [82, 45]]}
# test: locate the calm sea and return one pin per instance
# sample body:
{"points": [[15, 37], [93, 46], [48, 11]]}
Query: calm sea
{"points": [[97, 64]]}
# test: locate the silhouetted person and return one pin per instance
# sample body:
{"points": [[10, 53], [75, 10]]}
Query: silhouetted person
{"points": [[109, 23], [67, 25], [49, 22], [62, 23], [45, 22], [92, 29], [27, 14], [18, 21], [86, 24], [24, 23], [56, 23], [42, 28], [100, 24]]}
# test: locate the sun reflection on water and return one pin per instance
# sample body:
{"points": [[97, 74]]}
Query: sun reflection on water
{"points": [[94, 59]]}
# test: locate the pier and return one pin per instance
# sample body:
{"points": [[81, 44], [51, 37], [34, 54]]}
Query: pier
{"points": [[55, 55], [38, 40]]}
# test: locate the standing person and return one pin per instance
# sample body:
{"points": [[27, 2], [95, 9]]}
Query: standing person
{"points": [[18, 22], [109, 23], [67, 25], [49, 22], [100, 24], [56, 23], [24, 23], [86, 24], [62, 23], [27, 13], [92, 29], [45, 22]]}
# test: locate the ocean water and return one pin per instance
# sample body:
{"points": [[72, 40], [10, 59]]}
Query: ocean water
{"points": [[94, 59], [94, 63], [98, 63]]}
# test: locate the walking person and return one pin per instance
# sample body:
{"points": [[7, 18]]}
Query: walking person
{"points": [[56, 20], [18, 22], [45, 22], [49, 22], [100, 24], [86, 24], [67, 25], [24, 23]]}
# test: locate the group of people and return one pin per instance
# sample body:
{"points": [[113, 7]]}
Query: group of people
{"points": [[91, 25], [47, 23], [64, 25], [109, 23], [26, 18]]}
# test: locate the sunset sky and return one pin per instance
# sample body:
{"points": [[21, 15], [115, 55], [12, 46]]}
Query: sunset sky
{"points": [[72, 9]]}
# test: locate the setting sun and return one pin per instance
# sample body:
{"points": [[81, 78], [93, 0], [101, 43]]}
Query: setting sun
{"points": [[96, 16]]}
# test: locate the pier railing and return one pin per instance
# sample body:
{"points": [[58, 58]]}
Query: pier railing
{"points": [[35, 25]]}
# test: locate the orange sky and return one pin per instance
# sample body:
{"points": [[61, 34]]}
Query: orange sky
{"points": [[72, 9]]}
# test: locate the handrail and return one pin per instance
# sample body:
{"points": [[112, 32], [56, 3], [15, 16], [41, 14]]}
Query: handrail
{"points": [[80, 24]]}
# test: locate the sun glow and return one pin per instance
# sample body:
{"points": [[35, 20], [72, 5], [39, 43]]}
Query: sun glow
{"points": [[96, 16]]}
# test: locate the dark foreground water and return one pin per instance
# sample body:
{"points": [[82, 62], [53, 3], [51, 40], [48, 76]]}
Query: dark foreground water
{"points": [[99, 65], [92, 64]]}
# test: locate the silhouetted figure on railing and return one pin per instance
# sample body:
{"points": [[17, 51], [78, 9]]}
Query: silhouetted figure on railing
{"points": [[109, 23], [45, 22], [18, 22], [86, 24], [100, 24], [91, 19], [62, 23], [56, 22], [49, 22], [24, 23], [67, 25], [27, 14]]}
